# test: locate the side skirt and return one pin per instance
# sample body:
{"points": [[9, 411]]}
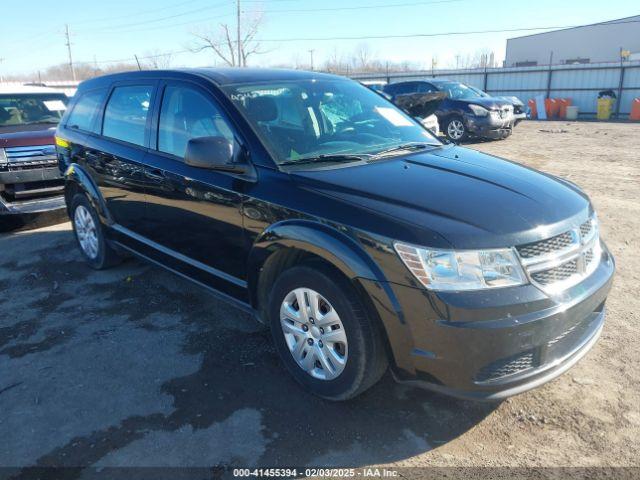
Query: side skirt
{"points": [[234, 293]]}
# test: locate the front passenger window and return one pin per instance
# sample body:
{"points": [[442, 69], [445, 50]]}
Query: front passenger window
{"points": [[186, 113]]}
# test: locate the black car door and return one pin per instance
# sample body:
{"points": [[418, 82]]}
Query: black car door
{"points": [[115, 157], [194, 214]]}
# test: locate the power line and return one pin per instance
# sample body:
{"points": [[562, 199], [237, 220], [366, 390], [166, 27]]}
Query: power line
{"points": [[158, 27], [361, 7], [116, 28], [424, 35], [133, 14], [169, 17], [415, 35]]}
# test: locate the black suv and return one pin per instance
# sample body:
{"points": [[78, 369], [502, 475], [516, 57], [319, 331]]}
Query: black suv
{"points": [[465, 112], [334, 217]]}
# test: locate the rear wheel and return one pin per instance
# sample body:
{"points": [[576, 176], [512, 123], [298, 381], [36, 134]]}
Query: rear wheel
{"points": [[323, 335], [90, 234], [455, 130]]}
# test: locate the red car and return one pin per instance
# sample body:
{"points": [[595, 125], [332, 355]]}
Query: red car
{"points": [[30, 180]]}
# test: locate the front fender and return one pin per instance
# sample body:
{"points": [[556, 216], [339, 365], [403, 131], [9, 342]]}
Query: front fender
{"points": [[75, 177], [320, 239], [341, 250]]}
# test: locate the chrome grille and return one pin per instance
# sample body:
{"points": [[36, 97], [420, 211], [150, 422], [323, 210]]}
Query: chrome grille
{"points": [[556, 274], [586, 228], [562, 261], [544, 247], [506, 112], [589, 256], [29, 157]]}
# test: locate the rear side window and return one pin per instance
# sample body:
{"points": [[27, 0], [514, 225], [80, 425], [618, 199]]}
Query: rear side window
{"points": [[86, 110], [186, 113], [426, 88], [401, 88], [125, 117]]}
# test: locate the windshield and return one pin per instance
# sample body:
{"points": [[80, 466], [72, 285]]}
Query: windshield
{"points": [[458, 91], [324, 118], [30, 108], [480, 92]]}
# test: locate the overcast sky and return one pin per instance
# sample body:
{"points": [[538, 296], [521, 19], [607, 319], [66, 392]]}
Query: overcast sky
{"points": [[32, 37]]}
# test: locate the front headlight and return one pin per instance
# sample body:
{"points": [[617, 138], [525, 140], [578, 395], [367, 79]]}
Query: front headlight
{"points": [[464, 269], [479, 111], [3, 157]]}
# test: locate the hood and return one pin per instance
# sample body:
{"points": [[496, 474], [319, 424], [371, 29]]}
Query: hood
{"points": [[27, 135], [490, 103], [420, 105], [471, 199], [512, 100]]}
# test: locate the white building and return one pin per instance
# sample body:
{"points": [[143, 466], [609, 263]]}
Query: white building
{"points": [[596, 43]]}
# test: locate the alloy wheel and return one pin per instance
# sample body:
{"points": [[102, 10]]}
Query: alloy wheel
{"points": [[455, 129], [86, 231]]}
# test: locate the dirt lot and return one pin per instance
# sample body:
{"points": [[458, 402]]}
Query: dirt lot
{"points": [[136, 367]]}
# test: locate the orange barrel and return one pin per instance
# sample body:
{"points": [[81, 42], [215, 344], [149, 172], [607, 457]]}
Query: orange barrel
{"points": [[562, 109], [635, 109], [552, 106], [532, 108]]}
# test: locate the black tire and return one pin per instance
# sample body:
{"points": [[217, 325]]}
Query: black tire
{"points": [[448, 122], [106, 256], [366, 361]]}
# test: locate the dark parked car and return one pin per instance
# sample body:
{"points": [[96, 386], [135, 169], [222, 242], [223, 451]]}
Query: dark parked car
{"points": [[30, 179], [332, 216], [465, 112]]}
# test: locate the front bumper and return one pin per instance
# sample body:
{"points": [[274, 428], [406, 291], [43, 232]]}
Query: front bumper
{"points": [[431, 123], [492, 344], [37, 205], [518, 117], [489, 127], [30, 175], [34, 200]]}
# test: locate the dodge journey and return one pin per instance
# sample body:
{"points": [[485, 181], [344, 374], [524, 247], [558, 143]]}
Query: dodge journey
{"points": [[332, 216]]}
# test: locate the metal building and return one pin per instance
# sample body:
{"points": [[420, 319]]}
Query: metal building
{"points": [[596, 43]]}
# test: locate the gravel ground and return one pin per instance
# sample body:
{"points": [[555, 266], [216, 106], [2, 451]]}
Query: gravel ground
{"points": [[136, 367]]}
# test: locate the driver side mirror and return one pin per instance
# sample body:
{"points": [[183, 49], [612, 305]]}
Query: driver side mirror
{"points": [[213, 153]]}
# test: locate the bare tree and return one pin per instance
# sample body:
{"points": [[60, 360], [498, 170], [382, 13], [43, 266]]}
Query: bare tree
{"points": [[481, 58], [336, 62], [156, 60], [362, 56], [225, 47]]}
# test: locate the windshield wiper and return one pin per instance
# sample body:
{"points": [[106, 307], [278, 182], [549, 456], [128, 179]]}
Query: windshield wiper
{"points": [[411, 147], [325, 158]]}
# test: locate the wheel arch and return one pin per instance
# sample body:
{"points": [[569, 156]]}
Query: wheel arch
{"points": [[295, 239], [293, 242], [77, 180]]}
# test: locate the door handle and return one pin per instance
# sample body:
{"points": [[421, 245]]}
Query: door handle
{"points": [[154, 174]]}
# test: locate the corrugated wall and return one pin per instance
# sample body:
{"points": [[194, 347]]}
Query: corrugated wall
{"points": [[581, 83]]}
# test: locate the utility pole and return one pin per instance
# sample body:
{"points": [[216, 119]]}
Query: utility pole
{"points": [[311, 55], [73, 71], [240, 62]]}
